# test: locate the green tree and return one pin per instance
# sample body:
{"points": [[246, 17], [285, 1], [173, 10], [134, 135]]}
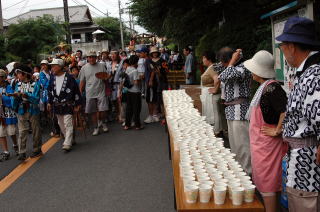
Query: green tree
{"points": [[112, 25], [2, 50], [207, 24], [33, 36]]}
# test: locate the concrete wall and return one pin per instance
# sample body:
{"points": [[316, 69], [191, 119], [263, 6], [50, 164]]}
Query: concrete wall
{"points": [[86, 47]]}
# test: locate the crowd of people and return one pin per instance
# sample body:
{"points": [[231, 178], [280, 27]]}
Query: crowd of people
{"points": [[95, 88], [274, 127], [111, 86]]}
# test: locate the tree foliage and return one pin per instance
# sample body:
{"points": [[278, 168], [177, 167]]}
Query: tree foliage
{"points": [[207, 24], [33, 36], [112, 25]]}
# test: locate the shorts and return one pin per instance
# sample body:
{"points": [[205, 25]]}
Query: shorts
{"points": [[152, 95], [96, 105], [8, 130]]}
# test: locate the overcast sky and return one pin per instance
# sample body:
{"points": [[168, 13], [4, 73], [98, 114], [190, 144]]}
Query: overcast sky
{"points": [[11, 8]]}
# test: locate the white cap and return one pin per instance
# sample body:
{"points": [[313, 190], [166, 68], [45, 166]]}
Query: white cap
{"points": [[59, 62], [44, 62]]}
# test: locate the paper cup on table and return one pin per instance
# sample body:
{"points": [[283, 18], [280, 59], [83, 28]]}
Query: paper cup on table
{"points": [[232, 185], [205, 192], [219, 183], [191, 193], [219, 195], [210, 183], [203, 178], [245, 178], [237, 195], [188, 179], [249, 193]]}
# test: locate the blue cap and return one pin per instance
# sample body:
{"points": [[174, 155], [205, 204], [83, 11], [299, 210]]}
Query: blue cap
{"points": [[143, 49], [299, 30]]}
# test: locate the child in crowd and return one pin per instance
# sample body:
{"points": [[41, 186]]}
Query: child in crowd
{"points": [[134, 94]]}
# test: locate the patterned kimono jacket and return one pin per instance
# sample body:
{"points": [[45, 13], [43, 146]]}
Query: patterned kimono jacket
{"points": [[236, 81], [302, 121], [7, 113], [29, 104], [44, 80], [69, 96]]}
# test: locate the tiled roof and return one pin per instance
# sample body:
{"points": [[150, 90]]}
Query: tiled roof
{"points": [[77, 14]]}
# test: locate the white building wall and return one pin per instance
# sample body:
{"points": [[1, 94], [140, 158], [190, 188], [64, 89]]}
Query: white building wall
{"points": [[86, 47]]}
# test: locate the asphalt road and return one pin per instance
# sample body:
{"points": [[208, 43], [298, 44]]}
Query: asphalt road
{"points": [[116, 171]]}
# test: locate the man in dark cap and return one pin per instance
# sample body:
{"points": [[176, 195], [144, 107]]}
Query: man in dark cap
{"points": [[302, 123], [26, 103]]}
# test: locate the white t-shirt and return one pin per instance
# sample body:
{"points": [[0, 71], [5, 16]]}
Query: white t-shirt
{"points": [[95, 88], [59, 82]]}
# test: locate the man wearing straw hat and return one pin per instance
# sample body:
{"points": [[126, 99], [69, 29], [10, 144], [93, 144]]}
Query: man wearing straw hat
{"points": [[302, 122]]}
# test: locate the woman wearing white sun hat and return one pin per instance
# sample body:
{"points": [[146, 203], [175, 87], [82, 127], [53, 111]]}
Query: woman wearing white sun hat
{"points": [[266, 114]]}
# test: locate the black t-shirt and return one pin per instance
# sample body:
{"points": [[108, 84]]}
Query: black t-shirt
{"points": [[162, 80], [273, 102]]}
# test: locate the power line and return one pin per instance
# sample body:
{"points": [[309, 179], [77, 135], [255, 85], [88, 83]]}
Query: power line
{"points": [[23, 7], [95, 7], [14, 4], [78, 3], [32, 5]]}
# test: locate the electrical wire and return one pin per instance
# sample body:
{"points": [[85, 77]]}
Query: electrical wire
{"points": [[79, 4], [95, 7], [32, 5], [14, 5], [23, 7]]}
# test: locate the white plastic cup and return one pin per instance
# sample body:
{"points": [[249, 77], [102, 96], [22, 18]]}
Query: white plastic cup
{"points": [[203, 178], [205, 192], [207, 183], [232, 185], [237, 195], [191, 193], [249, 193], [219, 195]]}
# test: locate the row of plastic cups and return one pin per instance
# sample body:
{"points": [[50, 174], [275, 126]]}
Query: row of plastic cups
{"points": [[237, 193], [245, 190]]}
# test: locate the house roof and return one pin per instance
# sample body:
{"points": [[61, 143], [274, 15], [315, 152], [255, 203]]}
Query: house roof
{"points": [[77, 14]]}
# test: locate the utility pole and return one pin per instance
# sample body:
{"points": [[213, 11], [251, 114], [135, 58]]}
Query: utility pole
{"points": [[130, 21], [66, 19], [121, 29], [1, 19]]}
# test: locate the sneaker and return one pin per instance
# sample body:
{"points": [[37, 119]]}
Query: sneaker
{"points": [[66, 148], [36, 154], [4, 156], [100, 123], [22, 156], [95, 131], [156, 118], [124, 124], [149, 120], [105, 128]]}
